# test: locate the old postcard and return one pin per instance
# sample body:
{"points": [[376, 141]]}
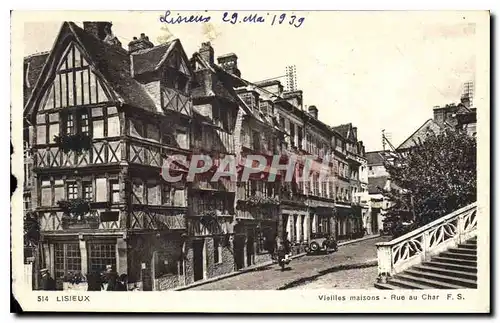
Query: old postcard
{"points": [[257, 162]]}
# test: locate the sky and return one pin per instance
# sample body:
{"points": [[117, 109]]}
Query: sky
{"points": [[376, 70]]}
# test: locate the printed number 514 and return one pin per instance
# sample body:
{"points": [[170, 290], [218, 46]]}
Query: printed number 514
{"points": [[43, 298]]}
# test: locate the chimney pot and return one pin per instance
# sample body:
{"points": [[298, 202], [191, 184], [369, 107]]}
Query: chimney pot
{"points": [[313, 111], [207, 52], [229, 63], [141, 43]]}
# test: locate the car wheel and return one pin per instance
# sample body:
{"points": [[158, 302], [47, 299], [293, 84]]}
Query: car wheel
{"points": [[314, 246]]}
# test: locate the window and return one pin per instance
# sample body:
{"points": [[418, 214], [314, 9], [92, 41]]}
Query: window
{"points": [[217, 251], [77, 122], [100, 256], [70, 124], [67, 258], [27, 202], [166, 197], [87, 191], [115, 191], [292, 134], [84, 123], [299, 135], [72, 191], [323, 188]]}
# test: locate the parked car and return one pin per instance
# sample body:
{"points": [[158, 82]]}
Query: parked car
{"points": [[321, 243]]}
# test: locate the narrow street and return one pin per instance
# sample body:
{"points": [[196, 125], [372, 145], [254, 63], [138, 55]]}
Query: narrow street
{"points": [[308, 271]]}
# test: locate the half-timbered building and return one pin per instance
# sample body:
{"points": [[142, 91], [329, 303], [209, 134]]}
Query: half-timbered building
{"points": [[103, 120]]}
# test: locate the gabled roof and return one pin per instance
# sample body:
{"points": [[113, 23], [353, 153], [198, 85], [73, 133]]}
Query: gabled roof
{"points": [[420, 134], [343, 129], [111, 63], [374, 158], [33, 65], [225, 84], [152, 59]]}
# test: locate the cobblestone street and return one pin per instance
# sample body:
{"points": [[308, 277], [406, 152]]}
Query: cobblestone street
{"points": [[308, 269], [358, 278]]}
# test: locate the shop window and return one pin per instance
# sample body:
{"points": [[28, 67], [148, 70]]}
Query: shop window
{"points": [[101, 255], [67, 258]]}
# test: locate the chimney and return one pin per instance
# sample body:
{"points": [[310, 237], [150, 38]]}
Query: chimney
{"points": [[207, 53], [355, 131], [313, 111], [229, 63], [99, 29], [138, 44], [438, 115], [294, 98], [102, 31], [465, 100]]}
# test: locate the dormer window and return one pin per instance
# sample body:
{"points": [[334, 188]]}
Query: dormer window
{"points": [[176, 80]]}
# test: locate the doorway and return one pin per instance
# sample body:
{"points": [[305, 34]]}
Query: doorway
{"points": [[250, 249], [198, 259], [239, 256]]}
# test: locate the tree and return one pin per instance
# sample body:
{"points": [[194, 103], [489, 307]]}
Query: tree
{"points": [[437, 177]]}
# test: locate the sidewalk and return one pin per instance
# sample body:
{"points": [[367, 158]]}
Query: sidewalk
{"points": [[262, 266]]}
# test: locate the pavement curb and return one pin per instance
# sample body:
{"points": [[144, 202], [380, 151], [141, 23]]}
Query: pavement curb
{"points": [[261, 265]]}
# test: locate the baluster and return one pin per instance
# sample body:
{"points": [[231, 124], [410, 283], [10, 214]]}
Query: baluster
{"points": [[384, 255], [460, 227], [425, 245]]}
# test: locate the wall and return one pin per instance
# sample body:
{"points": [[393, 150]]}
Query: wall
{"points": [[377, 170], [141, 248], [210, 268]]}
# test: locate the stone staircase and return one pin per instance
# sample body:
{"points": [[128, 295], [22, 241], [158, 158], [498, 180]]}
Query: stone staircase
{"points": [[455, 268]]}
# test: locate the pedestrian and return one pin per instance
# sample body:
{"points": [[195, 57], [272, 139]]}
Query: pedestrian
{"points": [[121, 284], [94, 282], [48, 283], [287, 244]]}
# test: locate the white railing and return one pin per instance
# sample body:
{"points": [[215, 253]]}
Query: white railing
{"points": [[419, 245]]}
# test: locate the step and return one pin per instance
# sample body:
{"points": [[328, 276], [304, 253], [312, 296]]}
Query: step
{"points": [[456, 255], [464, 251], [448, 266], [468, 246], [457, 261], [445, 271], [385, 286], [401, 283], [442, 278], [432, 284]]}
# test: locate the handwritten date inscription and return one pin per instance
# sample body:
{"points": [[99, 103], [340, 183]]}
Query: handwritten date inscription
{"points": [[236, 18]]}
